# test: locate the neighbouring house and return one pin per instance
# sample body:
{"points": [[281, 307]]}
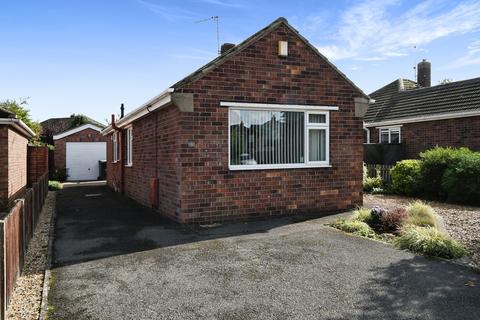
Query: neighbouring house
{"points": [[54, 126], [14, 137], [79, 151], [270, 127], [408, 117]]}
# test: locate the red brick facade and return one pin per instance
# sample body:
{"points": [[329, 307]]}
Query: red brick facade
{"points": [[86, 135], [13, 165], [195, 183], [420, 136]]}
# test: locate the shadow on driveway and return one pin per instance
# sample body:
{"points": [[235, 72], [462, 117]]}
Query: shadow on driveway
{"points": [[94, 222]]}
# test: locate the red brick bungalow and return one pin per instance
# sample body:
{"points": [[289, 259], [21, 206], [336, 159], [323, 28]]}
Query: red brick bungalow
{"points": [[270, 127], [14, 136], [419, 117]]}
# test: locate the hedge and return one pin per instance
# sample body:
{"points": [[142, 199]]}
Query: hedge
{"points": [[406, 177]]}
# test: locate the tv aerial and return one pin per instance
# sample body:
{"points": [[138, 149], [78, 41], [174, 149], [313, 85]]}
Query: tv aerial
{"points": [[214, 19]]}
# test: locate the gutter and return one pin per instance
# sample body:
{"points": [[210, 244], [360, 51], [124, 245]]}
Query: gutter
{"points": [[156, 102], [19, 125]]}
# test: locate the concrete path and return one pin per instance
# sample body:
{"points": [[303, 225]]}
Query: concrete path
{"points": [[116, 260]]}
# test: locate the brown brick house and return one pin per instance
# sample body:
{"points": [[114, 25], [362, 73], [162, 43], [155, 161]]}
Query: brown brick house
{"points": [[416, 116], [14, 136], [270, 127], [79, 151]]}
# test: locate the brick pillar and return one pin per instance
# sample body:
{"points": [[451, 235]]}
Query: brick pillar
{"points": [[37, 163]]}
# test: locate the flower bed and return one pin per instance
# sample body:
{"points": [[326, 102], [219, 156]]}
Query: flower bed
{"points": [[414, 227]]}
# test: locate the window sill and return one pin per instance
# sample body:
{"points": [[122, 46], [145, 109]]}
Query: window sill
{"points": [[129, 165], [275, 167]]}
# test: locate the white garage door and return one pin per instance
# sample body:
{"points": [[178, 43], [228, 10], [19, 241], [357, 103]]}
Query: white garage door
{"points": [[82, 159]]}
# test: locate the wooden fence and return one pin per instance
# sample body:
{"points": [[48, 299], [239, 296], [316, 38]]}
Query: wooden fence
{"points": [[16, 230], [382, 170]]}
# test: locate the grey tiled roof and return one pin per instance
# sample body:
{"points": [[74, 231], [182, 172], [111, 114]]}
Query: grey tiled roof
{"points": [[404, 99], [6, 114]]}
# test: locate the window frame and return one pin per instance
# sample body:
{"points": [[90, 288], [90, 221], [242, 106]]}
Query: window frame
{"points": [[115, 157], [307, 110], [390, 129], [128, 146]]}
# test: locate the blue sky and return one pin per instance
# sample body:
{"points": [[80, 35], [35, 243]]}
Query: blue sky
{"points": [[88, 56]]}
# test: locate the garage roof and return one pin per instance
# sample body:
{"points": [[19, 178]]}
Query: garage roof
{"points": [[77, 129]]}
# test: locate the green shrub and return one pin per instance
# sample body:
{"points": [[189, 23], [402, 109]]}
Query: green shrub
{"points": [[430, 241], [362, 215], [369, 183], [406, 177], [421, 214], [354, 226], [58, 175], [377, 191], [461, 181], [54, 185], [434, 163]]}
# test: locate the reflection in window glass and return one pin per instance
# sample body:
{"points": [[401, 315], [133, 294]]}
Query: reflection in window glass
{"points": [[266, 137]]}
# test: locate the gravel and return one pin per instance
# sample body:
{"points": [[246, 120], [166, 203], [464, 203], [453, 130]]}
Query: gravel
{"points": [[461, 222], [27, 296]]}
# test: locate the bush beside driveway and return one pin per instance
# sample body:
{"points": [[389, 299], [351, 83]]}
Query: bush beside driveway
{"points": [[115, 260], [461, 222]]}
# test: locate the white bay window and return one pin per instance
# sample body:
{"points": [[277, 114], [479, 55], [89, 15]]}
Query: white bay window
{"points": [[265, 136]]}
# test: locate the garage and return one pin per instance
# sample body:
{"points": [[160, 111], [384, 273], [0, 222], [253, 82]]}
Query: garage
{"points": [[82, 160], [78, 151]]}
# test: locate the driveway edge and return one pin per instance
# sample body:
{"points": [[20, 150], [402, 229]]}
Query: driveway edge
{"points": [[47, 274]]}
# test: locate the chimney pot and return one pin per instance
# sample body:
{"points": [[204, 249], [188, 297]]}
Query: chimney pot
{"points": [[225, 47], [424, 73], [122, 110]]}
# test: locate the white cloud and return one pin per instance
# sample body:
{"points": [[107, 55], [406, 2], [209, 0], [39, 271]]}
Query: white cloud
{"points": [[371, 31], [472, 57]]}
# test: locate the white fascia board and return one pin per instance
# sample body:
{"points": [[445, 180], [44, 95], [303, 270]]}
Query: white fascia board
{"points": [[19, 125], [75, 130], [443, 116], [251, 105], [156, 102]]}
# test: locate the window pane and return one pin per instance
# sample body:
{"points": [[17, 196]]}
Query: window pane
{"points": [[317, 145], [394, 136], [384, 136], [316, 118], [266, 137]]}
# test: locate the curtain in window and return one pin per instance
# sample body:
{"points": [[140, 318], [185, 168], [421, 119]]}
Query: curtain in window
{"points": [[316, 145], [266, 137]]}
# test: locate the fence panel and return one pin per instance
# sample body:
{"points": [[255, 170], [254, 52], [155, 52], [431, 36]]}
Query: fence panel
{"points": [[13, 247], [16, 230], [383, 170]]}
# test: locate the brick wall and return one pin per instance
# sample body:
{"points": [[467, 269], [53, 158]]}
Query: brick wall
{"points": [[195, 182], [3, 166], [37, 163], [155, 145], [13, 165], [210, 192], [86, 135], [420, 136], [17, 163]]}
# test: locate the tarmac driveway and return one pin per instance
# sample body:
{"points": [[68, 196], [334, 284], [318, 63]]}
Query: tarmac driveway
{"points": [[114, 259]]}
